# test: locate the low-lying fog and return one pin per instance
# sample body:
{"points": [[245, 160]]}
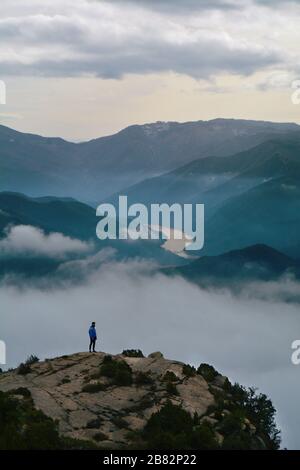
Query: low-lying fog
{"points": [[247, 338]]}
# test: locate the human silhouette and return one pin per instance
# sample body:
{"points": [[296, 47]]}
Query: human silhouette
{"points": [[93, 337]]}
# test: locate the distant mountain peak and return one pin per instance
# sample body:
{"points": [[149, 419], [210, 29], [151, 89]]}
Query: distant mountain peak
{"points": [[252, 263], [156, 127], [96, 169]]}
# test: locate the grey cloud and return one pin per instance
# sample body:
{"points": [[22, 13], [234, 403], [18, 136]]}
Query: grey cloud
{"points": [[25, 240], [271, 3], [194, 5], [112, 39], [183, 5], [184, 60]]}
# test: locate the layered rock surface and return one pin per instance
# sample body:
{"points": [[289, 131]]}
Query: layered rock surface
{"points": [[57, 388]]}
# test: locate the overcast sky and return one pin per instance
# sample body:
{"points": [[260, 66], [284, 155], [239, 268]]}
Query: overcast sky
{"points": [[85, 68]]}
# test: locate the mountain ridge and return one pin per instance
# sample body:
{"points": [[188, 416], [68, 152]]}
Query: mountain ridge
{"points": [[97, 168], [237, 268], [252, 163]]}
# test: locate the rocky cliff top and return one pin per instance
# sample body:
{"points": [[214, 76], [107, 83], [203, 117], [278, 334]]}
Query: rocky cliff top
{"points": [[113, 401]]}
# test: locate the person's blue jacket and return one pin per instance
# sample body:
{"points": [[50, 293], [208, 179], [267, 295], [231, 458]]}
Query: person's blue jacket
{"points": [[92, 332]]}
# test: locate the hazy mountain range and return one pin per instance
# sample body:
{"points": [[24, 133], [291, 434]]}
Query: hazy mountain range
{"points": [[247, 174], [217, 178], [251, 197], [77, 220], [93, 170]]}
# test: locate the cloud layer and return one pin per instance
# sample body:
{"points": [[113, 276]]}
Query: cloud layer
{"points": [[111, 39], [25, 240]]}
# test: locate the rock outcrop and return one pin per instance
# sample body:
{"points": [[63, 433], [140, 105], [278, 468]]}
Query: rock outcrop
{"points": [[108, 400]]}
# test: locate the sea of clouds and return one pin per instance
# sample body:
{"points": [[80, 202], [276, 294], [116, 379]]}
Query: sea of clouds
{"points": [[246, 337]]}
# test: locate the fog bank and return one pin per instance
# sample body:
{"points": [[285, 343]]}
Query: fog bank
{"points": [[248, 339]]}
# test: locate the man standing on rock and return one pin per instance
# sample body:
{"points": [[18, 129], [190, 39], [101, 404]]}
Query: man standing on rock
{"points": [[93, 337]]}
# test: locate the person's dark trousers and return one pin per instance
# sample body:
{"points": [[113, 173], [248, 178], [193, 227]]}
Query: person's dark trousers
{"points": [[92, 344]]}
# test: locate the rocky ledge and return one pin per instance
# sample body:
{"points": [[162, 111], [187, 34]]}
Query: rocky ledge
{"points": [[131, 401]]}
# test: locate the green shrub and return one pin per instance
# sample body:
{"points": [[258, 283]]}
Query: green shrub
{"points": [[119, 371], [132, 353], [93, 388], [208, 372], [23, 391], [232, 423], [119, 422], [123, 376], [65, 380], [23, 369], [143, 404], [212, 409], [94, 375], [220, 397], [260, 412], [188, 370], [203, 437], [107, 358], [257, 408], [173, 428], [33, 359], [22, 427], [171, 389], [143, 378], [238, 441], [94, 423], [100, 436], [170, 376], [171, 418], [227, 385]]}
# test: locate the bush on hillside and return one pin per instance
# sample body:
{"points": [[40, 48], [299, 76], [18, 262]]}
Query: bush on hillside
{"points": [[208, 372], [23, 391], [32, 359], [143, 378], [259, 409], [23, 369], [93, 388], [22, 427], [188, 370], [170, 376], [132, 353], [119, 371], [173, 428], [172, 389]]}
